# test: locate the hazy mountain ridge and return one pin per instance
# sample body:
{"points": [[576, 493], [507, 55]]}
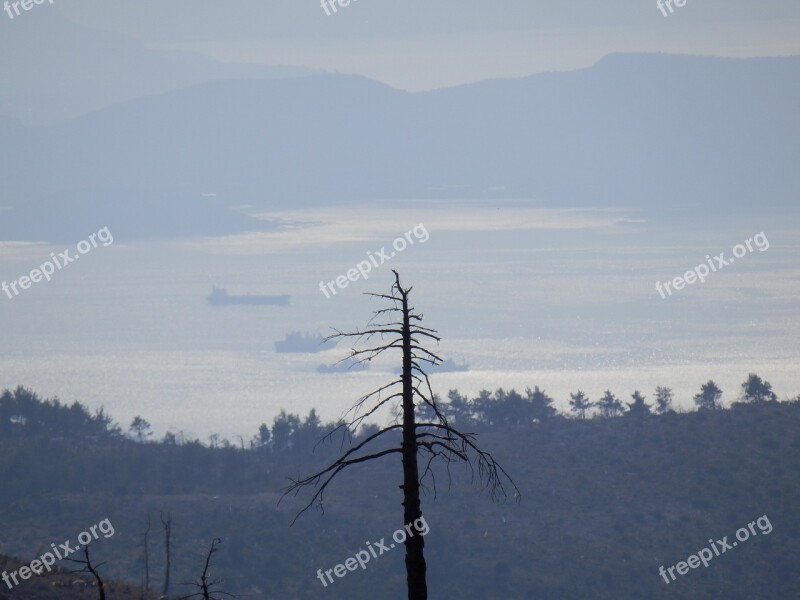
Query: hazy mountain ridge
{"points": [[126, 68], [648, 131]]}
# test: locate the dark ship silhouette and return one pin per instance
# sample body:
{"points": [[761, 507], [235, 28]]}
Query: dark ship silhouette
{"points": [[448, 365], [297, 341], [220, 297]]}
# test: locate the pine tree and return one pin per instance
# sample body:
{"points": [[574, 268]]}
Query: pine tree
{"points": [[663, 400], [609, 405], [638, 408], [708, 398], [756, 390], [580, 404]]}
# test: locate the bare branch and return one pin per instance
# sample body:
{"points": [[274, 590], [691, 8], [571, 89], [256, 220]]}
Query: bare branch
{"points": [[332, 470], [88, 567], [205, 584]]}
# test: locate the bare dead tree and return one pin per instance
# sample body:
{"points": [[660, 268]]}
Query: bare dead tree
{"points": [[167, 524], [146, 583], [399, 328], [205, 584], [88, 567]]}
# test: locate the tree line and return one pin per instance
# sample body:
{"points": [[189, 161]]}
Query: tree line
{"points": [[23, 413]]}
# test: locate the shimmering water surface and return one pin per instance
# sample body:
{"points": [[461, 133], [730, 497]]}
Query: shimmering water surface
{"points": [[525, 296]]}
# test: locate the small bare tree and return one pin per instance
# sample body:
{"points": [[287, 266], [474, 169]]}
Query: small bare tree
{"points": [[400, 329], [205, 584], [167, 524], [146, 582], [88, 567]]}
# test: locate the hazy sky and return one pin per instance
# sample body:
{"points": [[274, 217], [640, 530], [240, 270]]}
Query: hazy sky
{"points": [[419, 44]]}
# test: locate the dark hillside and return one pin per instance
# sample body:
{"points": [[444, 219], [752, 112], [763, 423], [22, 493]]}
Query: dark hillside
{"points": [[60, 585], [605, 503]]}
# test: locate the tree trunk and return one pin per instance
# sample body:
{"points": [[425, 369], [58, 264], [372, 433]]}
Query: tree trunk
{"points": [[415, 544], [147, 557], [167, 534]]}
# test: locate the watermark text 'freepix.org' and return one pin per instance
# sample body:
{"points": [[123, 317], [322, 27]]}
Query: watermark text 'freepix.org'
{"points": [[15, 5], [60, 552], [56, 261]]}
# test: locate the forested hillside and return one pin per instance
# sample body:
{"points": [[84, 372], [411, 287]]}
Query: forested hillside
{"points": [[605, 502]]}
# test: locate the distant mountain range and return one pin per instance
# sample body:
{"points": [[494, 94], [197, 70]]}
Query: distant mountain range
{"points": [[654, 132], [43, 50]]}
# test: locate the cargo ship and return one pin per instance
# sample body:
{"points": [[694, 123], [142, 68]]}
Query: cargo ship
{"points": [[448, 365], [304, 342], [220, 297]]}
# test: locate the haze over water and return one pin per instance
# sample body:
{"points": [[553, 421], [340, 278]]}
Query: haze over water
{"points": [[564, 300]]}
